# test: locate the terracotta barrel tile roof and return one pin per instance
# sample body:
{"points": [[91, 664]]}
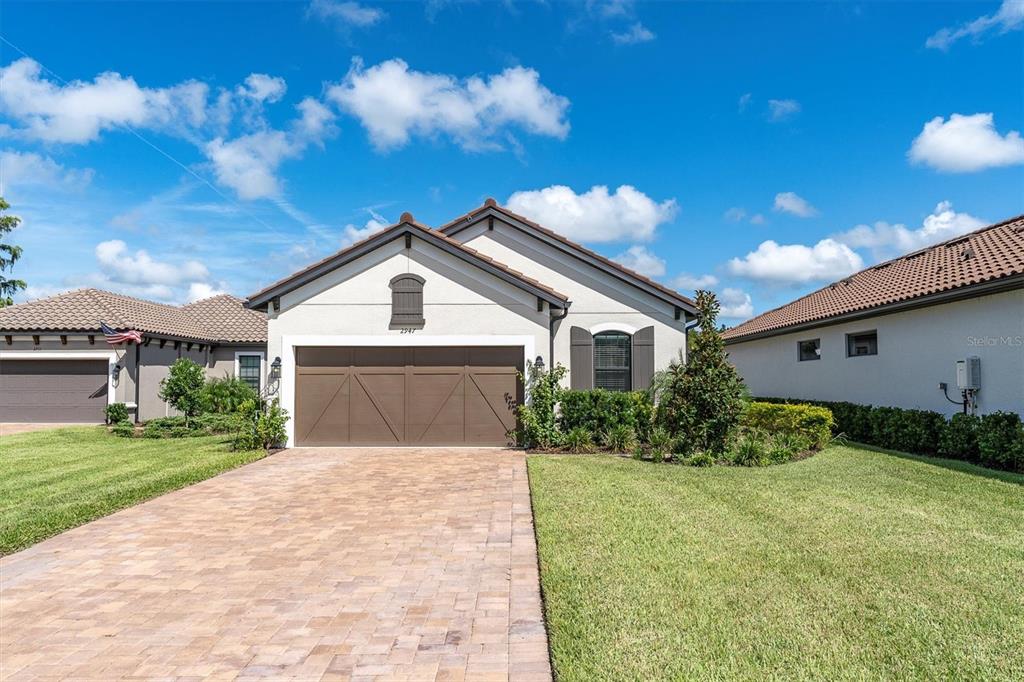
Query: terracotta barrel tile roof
{"points": [[216, 319], [986, 255]]}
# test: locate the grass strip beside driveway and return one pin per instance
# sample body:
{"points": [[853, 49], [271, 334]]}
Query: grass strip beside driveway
{"points": [[853, 564], [54, 480]]}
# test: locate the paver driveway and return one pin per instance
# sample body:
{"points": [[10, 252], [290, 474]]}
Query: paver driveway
{"points": [[310, 564]]}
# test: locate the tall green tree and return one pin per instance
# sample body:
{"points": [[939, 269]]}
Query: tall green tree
{"points": [[702, 401], [9, 255]]}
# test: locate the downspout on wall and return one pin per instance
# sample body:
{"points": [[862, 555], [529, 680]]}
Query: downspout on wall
{"points": [[551, 332]]}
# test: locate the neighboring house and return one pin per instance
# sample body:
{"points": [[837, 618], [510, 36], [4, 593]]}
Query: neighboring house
{"points": [[416, 335], [891, 334], [56, 365]]}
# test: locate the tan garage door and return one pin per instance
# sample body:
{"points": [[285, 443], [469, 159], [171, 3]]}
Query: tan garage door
{"points": [[406, 396], [53, 390]]}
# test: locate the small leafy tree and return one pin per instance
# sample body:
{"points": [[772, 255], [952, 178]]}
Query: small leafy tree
{"points": [[263, 426], [538, 426], [183, 388], [9, 255], [226, 395], [702, 401]]}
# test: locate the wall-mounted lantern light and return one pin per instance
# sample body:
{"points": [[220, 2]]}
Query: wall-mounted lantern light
{"points": [[539, 363], [275, 368]]}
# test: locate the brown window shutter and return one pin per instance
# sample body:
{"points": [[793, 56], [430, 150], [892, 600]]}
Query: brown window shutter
{"points": [[643, 358], [407, 301], [581, 359]]}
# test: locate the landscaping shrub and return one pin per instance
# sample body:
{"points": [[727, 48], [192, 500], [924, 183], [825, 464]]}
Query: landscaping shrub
{"points": [[785, 446], [661, 442], [116, 413], [750, 449], [621, 438], [218, 423], [537, 424], [600, 410], [702, 400], [579, 440], [183, 386], [959, 438], [921, 432], [263, 426], [906, 430], [124, 429], [168, 427], [225, 395], [700, 459], [1001, 441], [811, 422]]}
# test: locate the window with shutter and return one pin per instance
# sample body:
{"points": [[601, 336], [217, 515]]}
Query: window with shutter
{"points": [[407, 302], [613, 361]]}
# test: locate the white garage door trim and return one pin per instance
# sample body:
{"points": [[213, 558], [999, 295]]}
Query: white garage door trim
{"points": [[108, 355], [290, 342]]}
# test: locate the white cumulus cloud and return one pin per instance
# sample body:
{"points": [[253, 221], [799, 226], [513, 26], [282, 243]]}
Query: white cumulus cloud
{"points": [[596, 215], [797, 263], [887, 240], [353, 233], [248, 164], [197, 291], [346, 14], [79, 111], [120, 265], [395, 103], [637, 33], [263, 88], [28, 169], [687, 282], [791, 202], [736, 303], [639, 259], [965, 144], [782, 109], [140, 274], [1009, 17]]}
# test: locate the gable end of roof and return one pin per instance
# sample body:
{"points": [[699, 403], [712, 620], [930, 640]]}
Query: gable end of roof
{"points": [[491, 209], [407, 226]]}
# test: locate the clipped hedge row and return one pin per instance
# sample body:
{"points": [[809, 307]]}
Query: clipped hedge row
{"points": [[810, 422], [994, 440], [599, 411]]}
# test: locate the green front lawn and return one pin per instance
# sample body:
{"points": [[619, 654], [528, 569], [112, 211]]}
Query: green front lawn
{"points": [[54, 480], [853, 564]]}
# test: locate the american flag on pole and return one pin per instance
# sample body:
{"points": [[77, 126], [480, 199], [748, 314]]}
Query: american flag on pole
{"points": [[115, 337]]}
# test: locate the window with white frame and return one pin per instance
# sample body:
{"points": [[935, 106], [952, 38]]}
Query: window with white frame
{"points": [[249, 368]]}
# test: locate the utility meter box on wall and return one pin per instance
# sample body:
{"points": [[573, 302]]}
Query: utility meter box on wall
{"points": [[968, 374]]}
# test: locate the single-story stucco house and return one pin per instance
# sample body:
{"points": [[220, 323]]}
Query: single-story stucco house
{"points": [[915, 332], [416, 335], [56, 366]]}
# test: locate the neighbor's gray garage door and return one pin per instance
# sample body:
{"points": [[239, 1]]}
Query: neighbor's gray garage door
{"points": [[406, 396], [53, 390]]}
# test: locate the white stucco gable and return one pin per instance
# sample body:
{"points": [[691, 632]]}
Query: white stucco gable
{"points": [[604, 298]]}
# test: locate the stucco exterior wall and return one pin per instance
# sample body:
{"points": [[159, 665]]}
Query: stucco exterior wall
{"points": [[917, 349], [597, 297], [462, 305]]}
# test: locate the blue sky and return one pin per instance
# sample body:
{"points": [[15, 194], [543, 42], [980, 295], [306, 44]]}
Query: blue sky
{"points": [[760, 149]]}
